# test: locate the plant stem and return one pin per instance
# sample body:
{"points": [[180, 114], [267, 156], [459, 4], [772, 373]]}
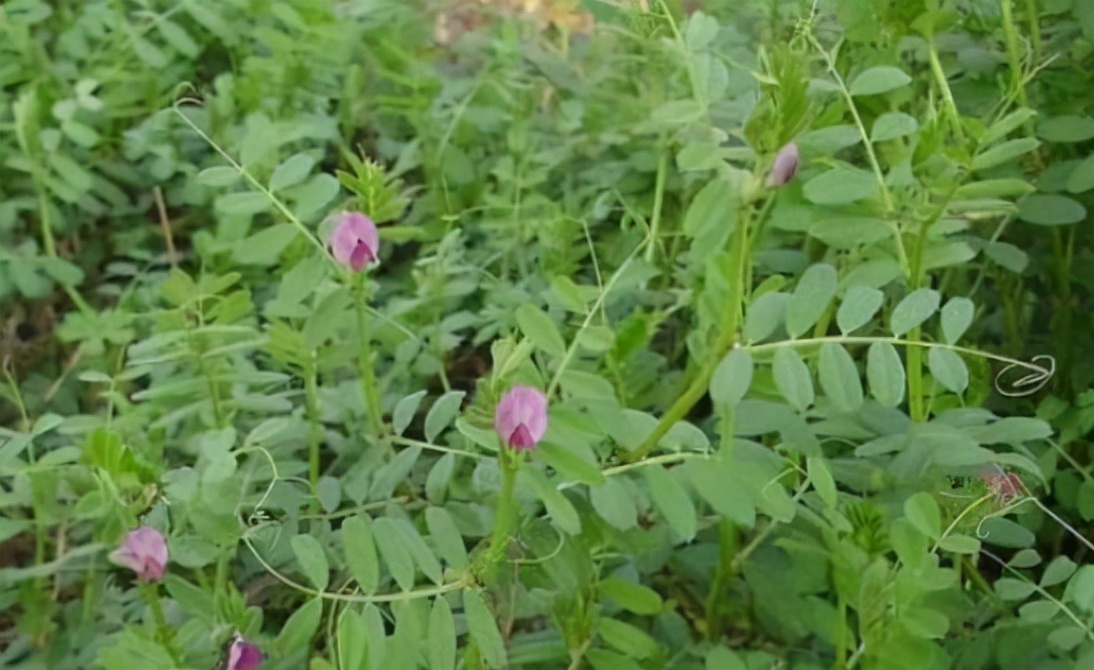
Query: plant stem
{"points": [[315, 431], [731, 322], [369, 385], [149, 593], [658, 202], [505, 514]]}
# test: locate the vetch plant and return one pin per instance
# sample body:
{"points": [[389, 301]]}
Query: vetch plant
{"points": [[520, 420]]}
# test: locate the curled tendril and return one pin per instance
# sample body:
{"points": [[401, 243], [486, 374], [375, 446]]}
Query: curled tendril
{"points": [[1033, 381]]}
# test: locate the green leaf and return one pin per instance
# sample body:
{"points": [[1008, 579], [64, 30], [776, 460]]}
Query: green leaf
{"points": [[561, 510], [822, 480], [960, 544], [314, 194], [484, 629], [1027, 558], [632, 597], [793, 379], [880, 79], [293, 171], [1008, 124], [923, 513], [442, 636], [1067, 637], [440, 475], [352, 640], [1001, 153], [1007, 255], [993, 188], [948, 369], [1012, 589], [722, 658], [423, 555], [393, 473], [810, 298], [672, 501], [243, 203], [540, 330], [711, 208], [1066, 128], [860, 304], [570, 464], [613, 501], [1080, 590], [1082, 177], [839, 377], [446, 537], [840, 186], [395, 552], [925, 622], [218, 176], [1038, 612], [1057, 571], [892, 125], [731, 378], [829, 140], [443, 411], [914, 309], [404, 411], [764, 316], [885, 374], [361, 557], [956, 316], [300, 627], [630, 640], [309, 553], [1050, 209]]}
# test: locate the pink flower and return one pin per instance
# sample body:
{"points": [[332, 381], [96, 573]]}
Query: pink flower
{"points": [[354, 241], [244, 655], [784, 167], [1005, 486], [144, 551], [521, 417]]}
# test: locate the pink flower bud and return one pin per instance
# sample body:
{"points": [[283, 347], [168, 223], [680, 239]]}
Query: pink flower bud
{"points": [[144, 551], [521, 418], [243, 655], [784, 167], [354, 241]]}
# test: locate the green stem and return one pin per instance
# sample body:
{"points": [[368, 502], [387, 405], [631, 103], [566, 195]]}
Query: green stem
{"points": [[731, 321], [164, 633], [369, 385], [658, 201], [505, 515], [315, 432], [728, 541], [944, 87]]}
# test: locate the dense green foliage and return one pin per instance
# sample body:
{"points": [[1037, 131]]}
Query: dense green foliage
{"points": [[840, 423]]}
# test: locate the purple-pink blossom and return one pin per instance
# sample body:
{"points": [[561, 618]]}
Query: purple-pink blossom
{"points": [[521, 418], [784, 167], [243, 655], [144, 551], [355, 242]]}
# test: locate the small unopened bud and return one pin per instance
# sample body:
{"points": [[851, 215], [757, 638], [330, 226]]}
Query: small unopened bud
{"points": [[784, 167]]}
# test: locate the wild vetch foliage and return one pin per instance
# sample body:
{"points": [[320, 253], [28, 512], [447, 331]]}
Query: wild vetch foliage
{"points": [[801, 287]]}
